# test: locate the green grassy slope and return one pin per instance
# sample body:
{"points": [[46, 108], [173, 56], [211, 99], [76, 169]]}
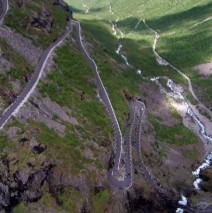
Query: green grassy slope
{"points": [[19, 18], [181, 45], [71, 79]]}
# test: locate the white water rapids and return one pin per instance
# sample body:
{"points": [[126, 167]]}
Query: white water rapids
{"points": [[206, 164], [120, 46], [124, 57], [87, 8], [183, 202], [208, 161], [190, 111], [113, 28], [175, 93], [115, 31]]}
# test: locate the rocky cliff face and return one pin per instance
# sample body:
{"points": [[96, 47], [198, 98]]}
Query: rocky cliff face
{"points": [[55, 152], [206, 176], [21, 185]]}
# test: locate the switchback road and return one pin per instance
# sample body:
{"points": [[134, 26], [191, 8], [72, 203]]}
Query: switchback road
{"points": [[136, 108], [27, 91], [127, 181]]}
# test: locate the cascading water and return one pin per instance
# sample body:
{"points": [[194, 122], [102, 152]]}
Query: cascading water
{"points": [[182, 202], [190, 111], [208, 161], [206, 164], [114, 30]]}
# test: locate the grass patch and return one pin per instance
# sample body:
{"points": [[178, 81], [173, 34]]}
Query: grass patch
{"points": [[181, 45], [21, 208], [19, 18], [177, 134], [101, 199], [69, 198], [69, 148], [191, 154], [67, 86], [3, 142]]}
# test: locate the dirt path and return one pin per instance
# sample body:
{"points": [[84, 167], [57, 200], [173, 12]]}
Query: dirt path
{"points": [[162, 61], [201, 22]]}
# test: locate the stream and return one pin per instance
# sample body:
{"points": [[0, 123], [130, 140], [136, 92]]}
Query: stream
{"points": [[208, 160], [115, 30], [120, 46], [177, 94]]}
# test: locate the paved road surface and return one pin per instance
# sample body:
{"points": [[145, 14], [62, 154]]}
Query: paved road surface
{"points": [[27, 91], [135, 108], [5, 8], [127, 182], [152, 182]]}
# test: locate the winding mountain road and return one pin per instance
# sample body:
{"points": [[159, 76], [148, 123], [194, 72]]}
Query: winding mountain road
{"points": [[27, 91], [127, 182], [136, 111], [135, 108]]}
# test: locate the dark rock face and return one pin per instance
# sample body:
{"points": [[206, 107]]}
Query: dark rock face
{"points": [[39, 148], [19, 3], [206, 175], [139, 204], [62, 4], [42, 22], [21, 185]]}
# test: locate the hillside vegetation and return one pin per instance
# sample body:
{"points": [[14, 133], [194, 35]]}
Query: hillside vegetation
{"points": [[180, 43], [55, 153]]}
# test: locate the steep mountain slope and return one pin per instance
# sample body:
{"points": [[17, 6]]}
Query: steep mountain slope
{"points": [[182, 41], [57, 150]]}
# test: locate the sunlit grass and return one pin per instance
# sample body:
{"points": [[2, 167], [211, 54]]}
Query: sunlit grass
{"points": [[180, 44]]}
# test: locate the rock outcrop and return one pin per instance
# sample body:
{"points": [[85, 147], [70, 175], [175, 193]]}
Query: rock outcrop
{"points": [[43, 21], [206, 175], [18, 185]]}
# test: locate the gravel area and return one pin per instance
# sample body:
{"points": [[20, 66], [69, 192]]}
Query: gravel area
{"points": [[28, 111], [5, 65], [21, 45], [205, 69], [46, 111], [16, 86], [12, 133]]}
